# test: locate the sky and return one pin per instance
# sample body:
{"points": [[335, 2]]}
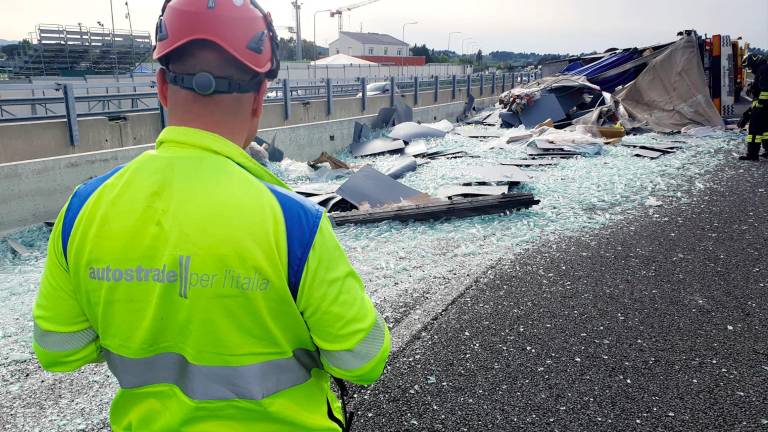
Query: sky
{"points": [[544, 26]]}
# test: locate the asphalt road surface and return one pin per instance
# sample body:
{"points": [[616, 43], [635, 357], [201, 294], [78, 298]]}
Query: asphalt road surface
{"points": [[655, 323]]}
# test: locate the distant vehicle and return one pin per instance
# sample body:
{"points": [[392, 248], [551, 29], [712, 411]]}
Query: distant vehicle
{"points": [[377, 89]]}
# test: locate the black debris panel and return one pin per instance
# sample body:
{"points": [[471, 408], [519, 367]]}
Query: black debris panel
{"points": [[385, 118], [469, 106], [403, 112], [402, 166], [315, 189], [443, 209], [452, 192], [536, 152], [650, 154], [445, 154], [362, 132], [546, 107], [480, 118], [369, 188], [275, 154], [664, 148]]}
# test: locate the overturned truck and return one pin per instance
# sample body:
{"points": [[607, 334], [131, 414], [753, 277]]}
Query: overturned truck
{"points": [[661, 88]]}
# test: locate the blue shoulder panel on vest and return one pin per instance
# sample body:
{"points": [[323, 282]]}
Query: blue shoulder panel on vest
{"points": [[77, 202], [302, 220]]}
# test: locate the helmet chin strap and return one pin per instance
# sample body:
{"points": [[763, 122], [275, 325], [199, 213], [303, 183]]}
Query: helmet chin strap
{"points": [[206, 84]]}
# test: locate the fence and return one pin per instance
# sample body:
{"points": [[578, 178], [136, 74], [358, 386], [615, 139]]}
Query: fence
{"points": [[296, 71], [77, 100]]}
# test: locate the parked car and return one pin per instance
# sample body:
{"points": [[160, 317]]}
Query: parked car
{"points": [[377, 89]]}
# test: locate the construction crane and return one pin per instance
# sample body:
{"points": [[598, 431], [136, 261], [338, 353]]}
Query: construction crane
{"points": [[340, 11]]}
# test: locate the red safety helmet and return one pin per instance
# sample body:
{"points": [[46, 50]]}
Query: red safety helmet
{"points": [[239, 26]]}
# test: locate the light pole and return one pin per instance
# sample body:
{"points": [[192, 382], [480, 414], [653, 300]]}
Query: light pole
{"points": [[130, 28], [112, 14], [471, 45], [462, 44], [407, 24], [449, 39], [314, 37], [299, 53]]}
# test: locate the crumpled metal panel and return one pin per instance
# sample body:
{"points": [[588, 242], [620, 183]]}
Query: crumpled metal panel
{"points": [[411, 131], [369, 188], [376, 146], [402, 167]]}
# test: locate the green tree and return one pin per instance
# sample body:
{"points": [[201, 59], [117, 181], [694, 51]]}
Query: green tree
{"points": [[422, 51]]}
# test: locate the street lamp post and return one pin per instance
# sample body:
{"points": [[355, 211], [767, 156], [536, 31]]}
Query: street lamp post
{"points": [[449, 39], [130, 29], [402, 59], [462, 44], [407, 24], [112, 14], [314, 27]]}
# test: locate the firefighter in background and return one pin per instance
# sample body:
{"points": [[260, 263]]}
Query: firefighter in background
{"points": [[757, 115]]}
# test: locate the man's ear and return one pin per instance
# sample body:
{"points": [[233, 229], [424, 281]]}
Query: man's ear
{"points": [[257, 109], [162, 86]]}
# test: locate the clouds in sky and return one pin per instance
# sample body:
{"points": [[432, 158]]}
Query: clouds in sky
{"points": [[551, 26]]}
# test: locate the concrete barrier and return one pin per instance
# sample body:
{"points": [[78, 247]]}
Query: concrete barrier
{"points": [[35, 140], [34, 191]]}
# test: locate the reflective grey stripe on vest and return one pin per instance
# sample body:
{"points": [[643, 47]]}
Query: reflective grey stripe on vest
{"points": [[62, 342], [363, 353], [251, 382]]}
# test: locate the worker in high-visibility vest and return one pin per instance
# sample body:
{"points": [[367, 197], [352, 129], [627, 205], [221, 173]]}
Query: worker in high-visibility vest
{"points": [[219, 299], [757, 114]]}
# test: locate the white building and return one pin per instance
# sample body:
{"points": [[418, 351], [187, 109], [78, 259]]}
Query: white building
{"points": [[368, 45]]}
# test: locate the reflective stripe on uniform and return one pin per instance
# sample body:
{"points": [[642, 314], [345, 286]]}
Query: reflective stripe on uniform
{"points": [[363, 353], [763, 96], [207, 383], [62, 342], [759, 139], [750, 138]]}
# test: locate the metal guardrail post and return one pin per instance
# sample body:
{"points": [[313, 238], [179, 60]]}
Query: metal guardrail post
{"points": [[455, 81], [329, 96], [364, 91], [71, 109], [392, 91], [416, 91], [503, 82], [287, 99], [437, 88], [493, 83], [482, 84], [469, 85]]}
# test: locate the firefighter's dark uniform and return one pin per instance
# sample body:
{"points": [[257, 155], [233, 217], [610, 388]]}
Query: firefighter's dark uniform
{"points": [[757, 115]]}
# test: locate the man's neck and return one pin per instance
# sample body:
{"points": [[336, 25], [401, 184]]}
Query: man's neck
{"points": [[235, 137]]}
